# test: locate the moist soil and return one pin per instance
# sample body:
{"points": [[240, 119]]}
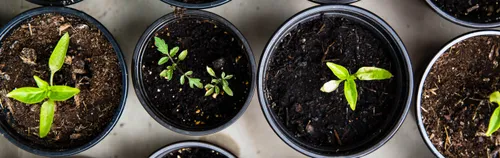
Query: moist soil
{"points": [[455, 105], [196, 1], [297, 72], [209, 43], [480, 11], [91, 65], [195, 153]]}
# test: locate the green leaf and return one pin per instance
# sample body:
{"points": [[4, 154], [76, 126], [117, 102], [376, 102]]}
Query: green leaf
{"points": [[228, 77], [195, 82], [495, 97], [223, 75], [28, 95], [217, 90], [163, 73], [339, 71], [170, 74], [351, 93], [494, 122], [330, 86], [162, 46], [174, 51], [46, 117], [183, 55], [183, 79], [163, 60], [209, 92], [188, 73], [216, 81], [372, 73], [225, 83], [227, 90], [211, 71], [41, 83], [62, 93], [57, 57], [208, 86]]}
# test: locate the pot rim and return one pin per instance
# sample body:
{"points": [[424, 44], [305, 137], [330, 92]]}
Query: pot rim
{"points": [[443, 50], [15, 22], [196, 6], [325, 2], [137, 57], [460, 21], [193, 144], [406, 62], [55, 3]]}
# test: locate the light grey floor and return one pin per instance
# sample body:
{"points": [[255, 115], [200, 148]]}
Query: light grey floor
{"points": [[138, 135]]}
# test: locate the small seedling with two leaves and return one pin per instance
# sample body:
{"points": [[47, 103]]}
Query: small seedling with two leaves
{"points": [[170, 55], [494, 124], [213, 89], [50, 93], [350, 91]]}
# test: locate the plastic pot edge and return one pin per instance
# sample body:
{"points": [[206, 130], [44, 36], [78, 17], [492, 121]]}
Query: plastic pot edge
{"points": [[196, 6], [459, 21], [183, 144]]}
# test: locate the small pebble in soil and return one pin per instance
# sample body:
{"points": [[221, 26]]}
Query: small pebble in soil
{"points": [[309, 129], [158, 90], [219, 63]]}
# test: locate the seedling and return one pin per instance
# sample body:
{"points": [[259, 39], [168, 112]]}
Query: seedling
{"points": [[350, 91], [495, 117], [213, 89], [169, 72], [50, 93]]}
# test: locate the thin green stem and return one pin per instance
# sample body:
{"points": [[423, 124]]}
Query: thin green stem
{"points": [[52, 78], [178, 68]]}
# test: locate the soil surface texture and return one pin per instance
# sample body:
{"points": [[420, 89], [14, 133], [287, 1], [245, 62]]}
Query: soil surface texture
{"points": [[195, 153], [480, 11], [298, 69], [455, 105], [209, 44], [91, 65]]}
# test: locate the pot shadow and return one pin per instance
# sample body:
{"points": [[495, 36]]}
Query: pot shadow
{"points": [[223, 141]]}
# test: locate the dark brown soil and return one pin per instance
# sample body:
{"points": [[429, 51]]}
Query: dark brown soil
{"points": [[455, 106], [480, 11], [296, 74], [209, 44], [195, 153], [196, 1], [91, 65]]}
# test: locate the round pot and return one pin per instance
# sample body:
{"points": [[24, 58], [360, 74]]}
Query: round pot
{"points": [[334, 1], [399, 56], [460, 21], [196, 6], [54, 2], [189, 144], [139, 83], [9, 133], [418, 107]]}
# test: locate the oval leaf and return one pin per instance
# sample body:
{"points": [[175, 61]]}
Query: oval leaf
{"points": [[211, 71], [372, 73], [163, 73], [46, 117], [339, 71], [163, 60], [41, 83], [183, 79], [227, 90], [228, 77], [208, 86], [170, 74], [62, 93], [174, 51], [330, 86], [217, 90], [209, 92], [183, 55], [189, 73], [57, 57], [351, 93], [28, 95], [162, 46], [494, 122], [495, 97]]}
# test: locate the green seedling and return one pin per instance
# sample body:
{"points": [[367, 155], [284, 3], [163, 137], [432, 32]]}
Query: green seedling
{"points": [[350, 91], [213, 89], [170, 56], [495, 117], [50, 93]]}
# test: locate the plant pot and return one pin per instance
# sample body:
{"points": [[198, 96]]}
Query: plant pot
{"points": [[193, 145], [299, 109], [187, 110], [471, 19], [205, 5], [79, 135], [452, 115], [334, 1], [54, 2]]}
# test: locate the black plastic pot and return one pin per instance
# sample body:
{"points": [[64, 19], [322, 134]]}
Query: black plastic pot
{"points": [[443, 50], [189, 144], [196, 6], [334, 1], [54, 2], [137, 71], [460, 21], [9, 133], [400, 60]]}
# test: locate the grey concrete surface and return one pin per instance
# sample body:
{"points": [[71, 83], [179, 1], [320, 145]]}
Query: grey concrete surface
{"points": [[138, 135]]}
